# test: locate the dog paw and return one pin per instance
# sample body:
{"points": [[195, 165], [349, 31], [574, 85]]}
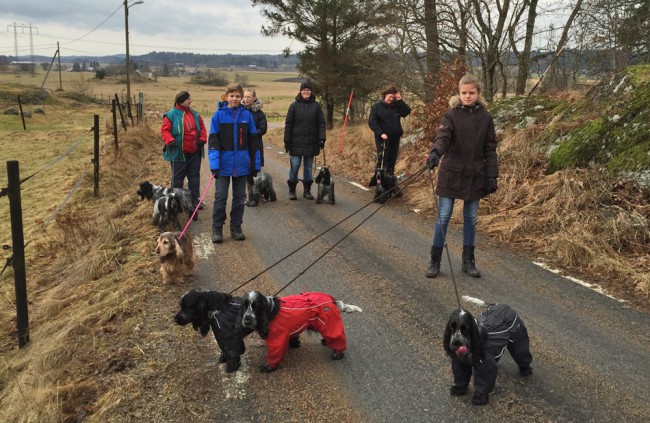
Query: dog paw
{"points": [[525, 371], [233, 365], [337, 355], [480, 399], [222, 358], [265, 368], [457, 391]]}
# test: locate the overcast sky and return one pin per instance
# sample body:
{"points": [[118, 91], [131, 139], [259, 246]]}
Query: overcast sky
{"points": [[198, 26]]}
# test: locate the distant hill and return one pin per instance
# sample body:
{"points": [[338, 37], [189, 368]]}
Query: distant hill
{"points": [[266, 61]]}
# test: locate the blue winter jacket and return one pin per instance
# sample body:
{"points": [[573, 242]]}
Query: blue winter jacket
{"points": [[232, 143]]}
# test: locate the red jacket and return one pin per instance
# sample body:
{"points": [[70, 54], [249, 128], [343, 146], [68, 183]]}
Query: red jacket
{"points": [[191, 134], [309, 310]]}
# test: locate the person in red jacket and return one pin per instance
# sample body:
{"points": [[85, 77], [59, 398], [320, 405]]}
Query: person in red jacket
{"points": [[184, 135]]}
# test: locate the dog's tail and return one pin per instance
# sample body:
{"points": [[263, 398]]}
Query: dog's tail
{"points": [[347, 308], [476, 301]]}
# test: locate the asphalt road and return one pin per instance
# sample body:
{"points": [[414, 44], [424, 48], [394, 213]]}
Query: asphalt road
{"points": [[590, 352]]}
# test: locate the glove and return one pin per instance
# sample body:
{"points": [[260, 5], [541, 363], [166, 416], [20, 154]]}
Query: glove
{"points": [[172, 144], [287, 147], [253, 173], [490, 185], [200, 144], [250, 180], [322, 144], [433, 159], [215, 173]]}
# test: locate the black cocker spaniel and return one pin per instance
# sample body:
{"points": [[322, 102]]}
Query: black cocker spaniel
{"points": [[475, 345]]}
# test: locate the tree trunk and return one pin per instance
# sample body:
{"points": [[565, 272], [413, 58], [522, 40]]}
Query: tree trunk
{"points": [[524, 57], [433, 48]]}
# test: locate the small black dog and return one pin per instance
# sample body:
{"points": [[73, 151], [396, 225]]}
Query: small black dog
{"points": [[214, 310], [385, 186], [154, 192], [325, 186], [261, 185], [166, 210], [478, 344]]}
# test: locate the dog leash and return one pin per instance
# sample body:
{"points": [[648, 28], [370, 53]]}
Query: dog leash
{"points": [[444, 236], [189, 221], [404, 183]]}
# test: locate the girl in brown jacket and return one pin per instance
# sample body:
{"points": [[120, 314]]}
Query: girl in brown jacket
{"points": [[469, 171]]}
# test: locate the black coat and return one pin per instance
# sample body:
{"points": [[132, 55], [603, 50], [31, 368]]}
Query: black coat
{"points": [[385, 119], [467, 140], [223, 328], [304, 127], [259, 117]]}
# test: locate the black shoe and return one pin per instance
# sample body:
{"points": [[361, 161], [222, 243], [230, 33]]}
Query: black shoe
{"points": [[236, 233], [217, 235]]}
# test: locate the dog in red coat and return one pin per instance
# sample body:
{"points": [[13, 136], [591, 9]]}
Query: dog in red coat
{"points": [[280, 321]]}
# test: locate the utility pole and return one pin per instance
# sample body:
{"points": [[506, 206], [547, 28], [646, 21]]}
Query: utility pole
{"points": [[128, 62], [58, 53], [31, 44]]}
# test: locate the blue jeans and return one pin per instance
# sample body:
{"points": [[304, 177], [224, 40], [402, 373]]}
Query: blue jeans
{"points": [[221, 197], [295, 167], [445, 209], [190, 169]]}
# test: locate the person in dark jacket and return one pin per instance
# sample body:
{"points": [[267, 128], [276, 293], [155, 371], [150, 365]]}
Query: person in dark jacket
{"points": [[384, 121], [184, 135], [254, 105], [469, 171], [232, 150], [304, 137]]}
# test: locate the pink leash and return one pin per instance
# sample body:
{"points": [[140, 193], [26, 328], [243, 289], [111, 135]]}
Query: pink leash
{"points": [[189, 221]]}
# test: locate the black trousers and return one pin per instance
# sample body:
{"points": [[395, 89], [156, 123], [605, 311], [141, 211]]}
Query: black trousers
{"points": [[387, 154]]}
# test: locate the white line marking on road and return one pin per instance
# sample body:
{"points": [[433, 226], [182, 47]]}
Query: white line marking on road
{"points": [[203, 247], [592, 286], [358, 185]]}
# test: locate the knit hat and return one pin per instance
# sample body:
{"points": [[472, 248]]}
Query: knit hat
{"points": [[306, 85], [181, 96]]}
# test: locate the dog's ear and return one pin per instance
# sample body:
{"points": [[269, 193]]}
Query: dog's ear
{"points": [[177, 249], [319, 178], [447, 336], [477, 341], [263, 323], [202, 309], [238, 326]]}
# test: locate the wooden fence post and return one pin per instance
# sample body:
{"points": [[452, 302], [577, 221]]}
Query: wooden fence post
{"points": [[20, 106], [114, 107], [96, 156], [119, 107], [18, 258]]}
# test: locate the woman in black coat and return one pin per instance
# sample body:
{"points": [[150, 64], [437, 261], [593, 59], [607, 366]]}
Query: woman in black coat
{"points": [[304, 137], [384, 121]]}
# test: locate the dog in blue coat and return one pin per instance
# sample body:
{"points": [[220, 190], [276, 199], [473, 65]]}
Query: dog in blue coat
{"points": [[475, 345], [218, 311]]}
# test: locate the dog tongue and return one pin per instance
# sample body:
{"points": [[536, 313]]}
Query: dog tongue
{"points": [[461, 350]]}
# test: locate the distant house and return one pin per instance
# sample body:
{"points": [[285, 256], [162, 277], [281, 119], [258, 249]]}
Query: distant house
{"points": [[24, 65]]}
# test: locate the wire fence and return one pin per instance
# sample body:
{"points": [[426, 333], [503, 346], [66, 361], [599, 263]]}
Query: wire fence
{"points": [[13, 191]]}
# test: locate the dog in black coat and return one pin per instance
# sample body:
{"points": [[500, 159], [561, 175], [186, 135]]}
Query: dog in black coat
{"points": [[218, 311], [476, 345], [260, 186], [325, 186], [385, 186]]}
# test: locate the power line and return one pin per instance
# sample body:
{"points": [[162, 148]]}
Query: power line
{"points": [[97, 27]]}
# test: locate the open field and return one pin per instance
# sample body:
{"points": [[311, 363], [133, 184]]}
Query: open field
{"points": [[159, 95]]}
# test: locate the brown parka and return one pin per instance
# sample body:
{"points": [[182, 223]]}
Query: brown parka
{"points": [[466, 140]]}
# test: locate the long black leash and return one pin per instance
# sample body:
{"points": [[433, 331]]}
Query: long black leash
{"points": [[444, 236], [404, 183]]}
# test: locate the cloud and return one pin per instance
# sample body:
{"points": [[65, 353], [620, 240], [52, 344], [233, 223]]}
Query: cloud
{"points": [[200, 26]]}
